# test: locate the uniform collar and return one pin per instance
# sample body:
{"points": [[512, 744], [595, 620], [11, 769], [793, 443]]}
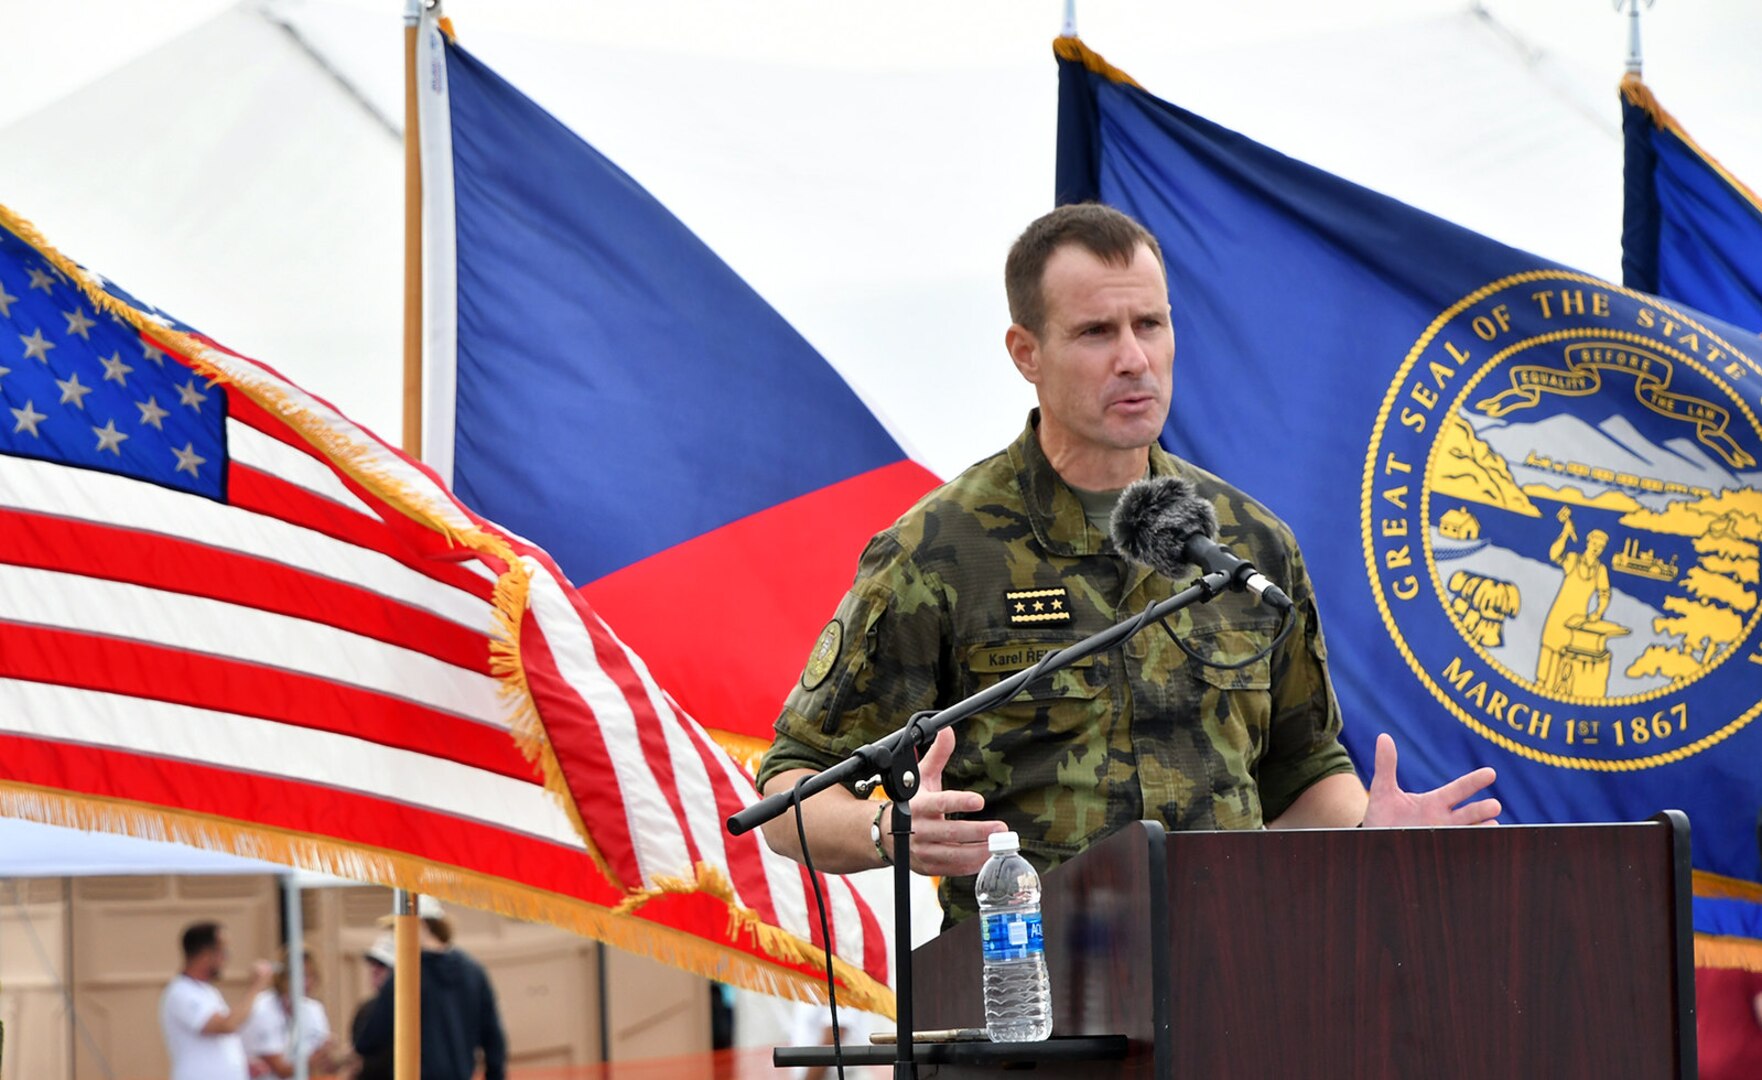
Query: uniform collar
{"points": [[1053, 508]]}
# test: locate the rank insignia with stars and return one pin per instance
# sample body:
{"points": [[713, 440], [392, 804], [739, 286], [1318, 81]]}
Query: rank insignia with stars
{"points": [[1032, 607]]}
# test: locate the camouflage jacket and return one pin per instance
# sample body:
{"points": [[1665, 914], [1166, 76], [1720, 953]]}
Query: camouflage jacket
{"points": [[993, 569]]}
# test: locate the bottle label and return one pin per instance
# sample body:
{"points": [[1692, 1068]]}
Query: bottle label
{"points": [[1011, 935]]}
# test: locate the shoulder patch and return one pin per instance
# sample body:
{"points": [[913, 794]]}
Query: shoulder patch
{"points": [[1034, 607], [825, 654]]}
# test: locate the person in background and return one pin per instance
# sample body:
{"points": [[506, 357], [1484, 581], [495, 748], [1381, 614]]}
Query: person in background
{"points": [[201, 1030], [459, 1016], [269, 1034], [380, 957]]}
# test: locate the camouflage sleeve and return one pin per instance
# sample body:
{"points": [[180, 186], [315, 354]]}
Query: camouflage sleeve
{"points": [[1305, 738], [880, 659]]}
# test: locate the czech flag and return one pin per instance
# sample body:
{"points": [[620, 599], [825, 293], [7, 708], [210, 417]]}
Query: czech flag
{"points": [[600, 381]]}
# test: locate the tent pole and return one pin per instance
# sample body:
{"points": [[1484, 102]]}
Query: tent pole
{"points": [[406, 991], [412, 239], [293, 902]]}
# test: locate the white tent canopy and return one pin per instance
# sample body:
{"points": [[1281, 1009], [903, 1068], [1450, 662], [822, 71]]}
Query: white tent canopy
{"points": [[32, 850], [865, 171]]}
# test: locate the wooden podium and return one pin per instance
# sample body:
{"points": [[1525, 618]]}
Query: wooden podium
{"points": [[1505, 952]]}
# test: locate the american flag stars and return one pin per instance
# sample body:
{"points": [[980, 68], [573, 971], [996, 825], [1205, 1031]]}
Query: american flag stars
{"points": [[36, 347], [79, 323], [84, 389], [27, 420]]}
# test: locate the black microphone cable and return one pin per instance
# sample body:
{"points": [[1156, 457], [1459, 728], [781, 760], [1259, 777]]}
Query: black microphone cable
{"points": [[807, 859]]}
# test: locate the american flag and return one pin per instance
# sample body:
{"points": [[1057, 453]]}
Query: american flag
{"points": [[230, 616]]}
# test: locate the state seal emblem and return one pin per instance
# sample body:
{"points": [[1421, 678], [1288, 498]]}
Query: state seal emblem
{"points": [[1562, 516]]}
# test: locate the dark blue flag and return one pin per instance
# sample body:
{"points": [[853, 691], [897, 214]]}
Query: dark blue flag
{"points": [[1692, 232], [623, 398], [1529, 497]]}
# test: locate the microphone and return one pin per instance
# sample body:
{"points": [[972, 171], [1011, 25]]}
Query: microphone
{"points": [[1161, 522]]}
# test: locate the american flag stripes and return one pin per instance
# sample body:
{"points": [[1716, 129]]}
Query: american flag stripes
{"points": [[230, 616]]}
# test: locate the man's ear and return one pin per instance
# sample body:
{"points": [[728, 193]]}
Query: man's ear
{"points": [[1024, 350]]}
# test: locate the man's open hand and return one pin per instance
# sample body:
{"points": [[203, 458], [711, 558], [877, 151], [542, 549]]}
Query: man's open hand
{"points": [[1390, 806], [942, 847]]}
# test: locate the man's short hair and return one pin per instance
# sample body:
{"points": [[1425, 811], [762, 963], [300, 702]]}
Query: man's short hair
{"points": [[199, 938], [1100, 230]]}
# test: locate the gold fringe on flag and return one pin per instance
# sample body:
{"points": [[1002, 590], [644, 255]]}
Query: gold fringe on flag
{"points": [[1731, 953], [365, 465], [361, 863], [1639, 95], [1720, 887], [1073, 49]]}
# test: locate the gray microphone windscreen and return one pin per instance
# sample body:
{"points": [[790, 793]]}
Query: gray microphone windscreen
{"points": [[1154, 519]]}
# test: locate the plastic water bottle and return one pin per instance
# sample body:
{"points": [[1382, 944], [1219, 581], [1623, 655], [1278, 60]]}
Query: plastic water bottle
{"points": [[1018, 998]]}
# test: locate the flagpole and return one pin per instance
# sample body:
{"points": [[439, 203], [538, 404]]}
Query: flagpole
{"points": [[412, 239], [406, 989], [1069, 29], [407, 979], [1633, 34]]}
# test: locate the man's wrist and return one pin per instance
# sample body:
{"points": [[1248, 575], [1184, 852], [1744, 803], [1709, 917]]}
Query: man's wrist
{"points": [[878, 837]]}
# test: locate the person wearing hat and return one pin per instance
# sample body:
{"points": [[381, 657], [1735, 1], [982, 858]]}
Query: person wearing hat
{"points": [[459, 1014], [380, 957]]}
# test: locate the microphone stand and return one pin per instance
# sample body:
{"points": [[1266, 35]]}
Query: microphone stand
{"points": [[894, 758]]}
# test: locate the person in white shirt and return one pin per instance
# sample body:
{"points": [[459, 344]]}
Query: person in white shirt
{"points": [[269, 1037], [200, 1029]]}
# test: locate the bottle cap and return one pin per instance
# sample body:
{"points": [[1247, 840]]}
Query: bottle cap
{"points": [[1003, 841]]}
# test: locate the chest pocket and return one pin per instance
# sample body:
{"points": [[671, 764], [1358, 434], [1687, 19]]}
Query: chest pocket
{"points": [[1234, 702], [1042, 759], [1062, 701]]}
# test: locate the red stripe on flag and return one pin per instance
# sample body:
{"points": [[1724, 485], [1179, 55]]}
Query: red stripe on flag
{"points": [[575, 738], [194, 569], [776, 577], [264, 493], [248, 412], [158, 673], [746, 852], [617, 665], [875, 956], [278, 803]]}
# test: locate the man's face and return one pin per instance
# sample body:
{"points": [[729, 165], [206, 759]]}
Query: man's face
{"points": [[212, 960], [1102, 362]]}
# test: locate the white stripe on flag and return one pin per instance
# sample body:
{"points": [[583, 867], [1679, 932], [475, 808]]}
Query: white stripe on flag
{"points": [[137, 613], [252, 745], [435, 500], [248, 446], [654, 831], [782, 875], [691, 781], [106, 499]]}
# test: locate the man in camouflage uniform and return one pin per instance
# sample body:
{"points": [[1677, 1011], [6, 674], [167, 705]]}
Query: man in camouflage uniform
{"points": [[1013, 559]]}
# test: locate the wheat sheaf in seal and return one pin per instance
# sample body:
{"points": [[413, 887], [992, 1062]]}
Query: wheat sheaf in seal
{"points": [[1562, 517]]}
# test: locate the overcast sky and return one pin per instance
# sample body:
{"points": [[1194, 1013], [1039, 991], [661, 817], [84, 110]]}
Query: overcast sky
{"points": [[776, 173]]}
